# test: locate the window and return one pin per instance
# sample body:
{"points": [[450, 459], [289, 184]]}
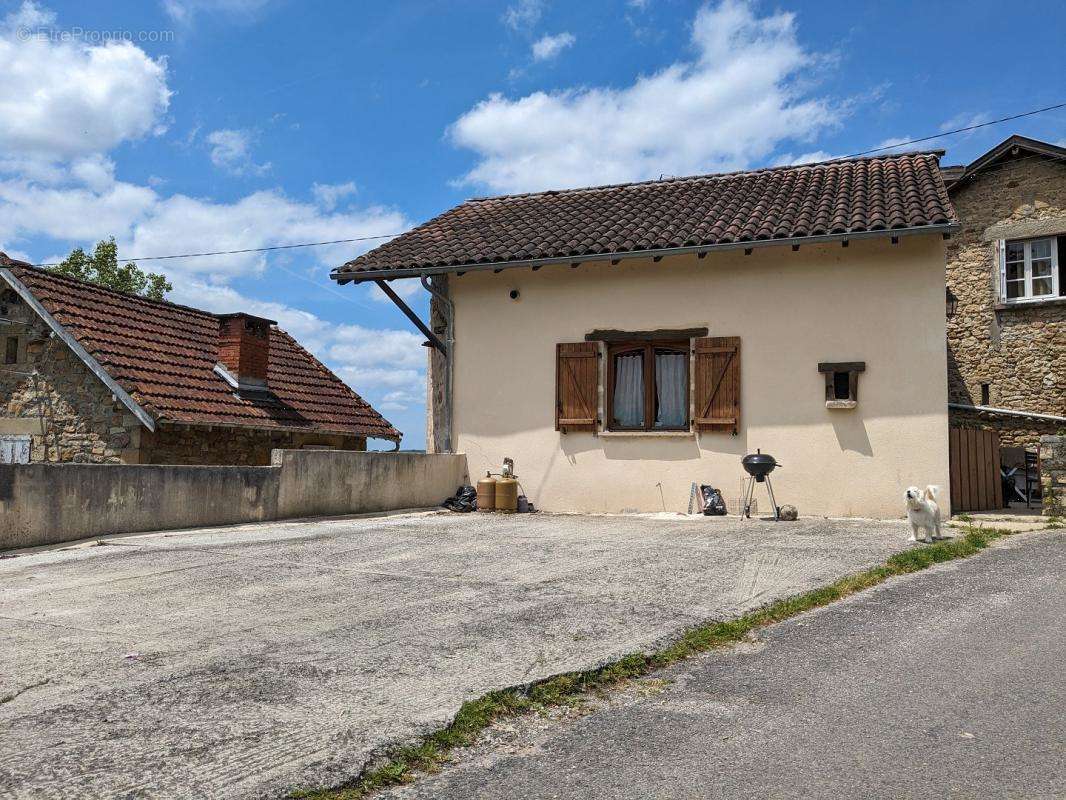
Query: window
{"points": [[842, 383], [985, 392], [11, 350], [639, 381], [1029, 270], [647, 386]]}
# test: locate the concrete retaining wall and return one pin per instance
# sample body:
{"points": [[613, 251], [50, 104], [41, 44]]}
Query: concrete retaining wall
{"points": [[325, 482], [52, 503]]}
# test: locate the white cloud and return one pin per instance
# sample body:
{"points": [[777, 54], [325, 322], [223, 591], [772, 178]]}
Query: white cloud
{"points": [[329, 194], [31, 16], [548, 47], [231, 150], [399, 400], [813, 157], [95, 171], [406, 289], [732, 105], [523, 15], [369, 348], [70, 212], [61, 98], [184, 11], [895, 144], [181, 224], [965, 119]]}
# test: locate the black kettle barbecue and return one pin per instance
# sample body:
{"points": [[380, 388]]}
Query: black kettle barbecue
{"points": [[759, 465]]}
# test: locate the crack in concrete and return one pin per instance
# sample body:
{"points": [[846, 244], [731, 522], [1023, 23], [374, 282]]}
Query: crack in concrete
{"points": [[7, 698]]}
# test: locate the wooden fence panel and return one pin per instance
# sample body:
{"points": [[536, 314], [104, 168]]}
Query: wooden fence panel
{"points": [[975, 470]]}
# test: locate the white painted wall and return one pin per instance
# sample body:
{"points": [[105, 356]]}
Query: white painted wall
{"points": [[873, 302]]}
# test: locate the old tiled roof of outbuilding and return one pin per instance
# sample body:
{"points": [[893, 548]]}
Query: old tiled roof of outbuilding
{"points": [[163, 355], [848, 196]]}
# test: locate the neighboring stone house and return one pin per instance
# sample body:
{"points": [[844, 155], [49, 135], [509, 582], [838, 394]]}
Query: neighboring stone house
{"points": [[1006, 277], [94, 376], [621, 343]]}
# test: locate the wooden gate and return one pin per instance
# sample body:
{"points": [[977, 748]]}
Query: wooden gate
{"points": [[974, 466]]}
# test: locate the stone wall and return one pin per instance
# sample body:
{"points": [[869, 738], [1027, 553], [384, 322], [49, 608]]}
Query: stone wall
{"points": [[1053, 474], [1013, 431], [180, 444], [1019, 351], [67, 411]]}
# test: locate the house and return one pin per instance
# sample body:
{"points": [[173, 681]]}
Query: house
{"points": [[623, 342], [92, 375], [1006, 275]]}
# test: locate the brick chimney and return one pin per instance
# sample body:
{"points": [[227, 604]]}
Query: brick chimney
{"points": [[244, 348]]}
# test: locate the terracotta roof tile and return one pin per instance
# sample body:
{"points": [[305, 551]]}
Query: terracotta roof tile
{"points": [[164, 356], [845, 196]]}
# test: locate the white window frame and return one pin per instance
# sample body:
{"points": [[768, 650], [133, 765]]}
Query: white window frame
{"points": [[15, 448], [1027, 244]]}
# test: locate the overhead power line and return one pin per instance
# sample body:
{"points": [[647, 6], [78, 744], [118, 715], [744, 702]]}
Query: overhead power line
{"points": [[250, 249], [880, 149], [957, 130]]}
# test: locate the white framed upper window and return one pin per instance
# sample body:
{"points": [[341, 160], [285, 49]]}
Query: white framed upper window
{"points": [[1029, 269]]}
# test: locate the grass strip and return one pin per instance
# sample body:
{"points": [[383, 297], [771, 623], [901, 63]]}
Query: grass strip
{"points": [[427, 755]]}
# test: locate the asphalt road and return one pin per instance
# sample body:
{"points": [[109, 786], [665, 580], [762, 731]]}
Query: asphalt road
{"points": [[946, 684]]}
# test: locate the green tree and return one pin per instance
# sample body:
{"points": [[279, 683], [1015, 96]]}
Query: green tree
{"points": [[103, 269]]}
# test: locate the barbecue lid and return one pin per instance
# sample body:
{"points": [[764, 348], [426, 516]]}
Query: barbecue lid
{"points": [[759, 458], [759, 463]]}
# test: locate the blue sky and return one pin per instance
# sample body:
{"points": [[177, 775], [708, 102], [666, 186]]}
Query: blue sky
{"points": [[226, 124]]}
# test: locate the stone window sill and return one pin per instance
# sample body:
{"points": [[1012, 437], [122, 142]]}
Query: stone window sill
{"points": [[840, 403], [648, 434], [1024, 304]]}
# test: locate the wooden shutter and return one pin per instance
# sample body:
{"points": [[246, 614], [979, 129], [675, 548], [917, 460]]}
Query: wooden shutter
{"points": [[717, 383], [577, 381]]}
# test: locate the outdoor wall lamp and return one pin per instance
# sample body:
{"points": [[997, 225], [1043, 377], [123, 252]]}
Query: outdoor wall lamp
{"points": [[952, 303]]}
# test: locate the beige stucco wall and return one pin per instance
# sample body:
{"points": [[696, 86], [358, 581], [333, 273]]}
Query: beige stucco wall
{"points": [[873, 302]]}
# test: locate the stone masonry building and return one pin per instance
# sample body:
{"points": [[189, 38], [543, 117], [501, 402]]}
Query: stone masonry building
{"points": [[1006, 277], [94, 376]]}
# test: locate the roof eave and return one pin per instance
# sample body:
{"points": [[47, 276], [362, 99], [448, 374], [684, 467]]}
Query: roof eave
{"points": [[87, 359], [1023, 142], [342, 276], [167, 421]]}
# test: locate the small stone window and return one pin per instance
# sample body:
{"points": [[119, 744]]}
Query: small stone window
{"points": [[842, 383], [11, 350], [985, 394]]}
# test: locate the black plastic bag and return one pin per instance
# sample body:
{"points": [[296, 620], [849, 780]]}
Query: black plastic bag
{"points": [[465, 500], [713, 502]]}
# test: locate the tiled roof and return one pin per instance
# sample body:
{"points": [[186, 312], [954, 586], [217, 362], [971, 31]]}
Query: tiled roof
{"points": [[164, 356], [835, 197], [1014, 146]]}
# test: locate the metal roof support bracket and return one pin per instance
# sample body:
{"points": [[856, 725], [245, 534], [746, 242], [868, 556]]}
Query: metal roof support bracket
{"points": [[411, 315]]}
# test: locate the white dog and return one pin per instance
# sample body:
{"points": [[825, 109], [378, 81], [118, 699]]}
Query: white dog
{"points": [[924, 513]]}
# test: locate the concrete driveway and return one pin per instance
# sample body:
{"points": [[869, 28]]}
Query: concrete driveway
{"points": [[245, 661]]}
